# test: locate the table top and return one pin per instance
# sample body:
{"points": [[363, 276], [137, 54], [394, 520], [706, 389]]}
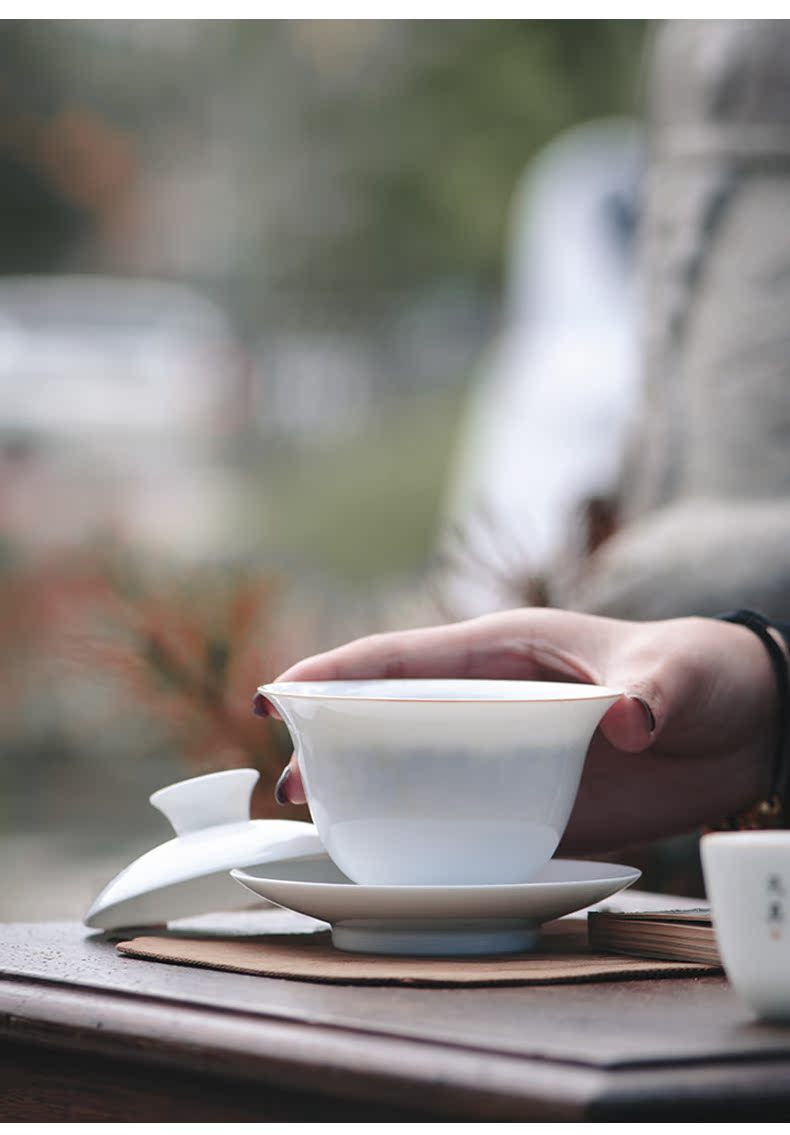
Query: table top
{"points": [[609, 1049]]}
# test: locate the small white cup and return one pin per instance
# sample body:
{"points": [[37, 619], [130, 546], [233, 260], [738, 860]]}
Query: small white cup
{"points": [[747, 879], [440, 781]]}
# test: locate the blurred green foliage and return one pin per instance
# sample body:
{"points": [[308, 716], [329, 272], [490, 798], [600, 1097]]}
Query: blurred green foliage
{"points": [[347, 173], [364, 510], [364, 154], [437, 149]]}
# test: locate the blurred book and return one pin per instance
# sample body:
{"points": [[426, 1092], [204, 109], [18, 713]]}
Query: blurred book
{"points": [[671, 935]]}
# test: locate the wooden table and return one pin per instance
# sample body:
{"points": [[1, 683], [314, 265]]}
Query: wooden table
{"points": [[86, 1034]]}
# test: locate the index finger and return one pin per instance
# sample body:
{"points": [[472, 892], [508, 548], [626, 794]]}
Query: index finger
{"points": [[527, 644]]}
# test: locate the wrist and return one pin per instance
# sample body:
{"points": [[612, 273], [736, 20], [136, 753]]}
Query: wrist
{"points": [[763, 802]]}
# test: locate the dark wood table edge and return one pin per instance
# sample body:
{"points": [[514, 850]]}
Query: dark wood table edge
{"points": [[339, 1062]]}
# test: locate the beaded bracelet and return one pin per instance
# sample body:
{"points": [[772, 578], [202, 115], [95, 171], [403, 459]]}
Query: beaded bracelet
{"points": [[771, 812]]}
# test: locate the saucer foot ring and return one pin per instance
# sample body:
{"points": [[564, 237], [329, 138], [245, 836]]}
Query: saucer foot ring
{"points": [[439, 937]]}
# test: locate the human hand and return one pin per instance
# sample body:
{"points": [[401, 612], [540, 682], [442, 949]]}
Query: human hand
{"points": [[690, 742]]}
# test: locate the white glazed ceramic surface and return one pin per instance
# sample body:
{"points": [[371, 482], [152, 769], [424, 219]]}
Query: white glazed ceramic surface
{"points": [[436, 920], [747, 879], [434, 781], [190, 874]]}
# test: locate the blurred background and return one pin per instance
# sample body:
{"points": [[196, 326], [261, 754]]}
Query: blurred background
{"points": [[270, 294]]}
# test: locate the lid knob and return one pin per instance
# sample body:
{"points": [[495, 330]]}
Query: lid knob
{"points": [[206, 801]]}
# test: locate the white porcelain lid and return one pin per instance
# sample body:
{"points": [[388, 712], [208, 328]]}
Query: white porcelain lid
{"points": [[190, 874]]}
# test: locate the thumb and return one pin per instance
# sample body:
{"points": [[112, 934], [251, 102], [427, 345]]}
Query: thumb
{"points": [[630, 724], [657, 693]]}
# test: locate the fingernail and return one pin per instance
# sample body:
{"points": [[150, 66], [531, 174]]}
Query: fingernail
{"points": [[260, 707], [279, 788], [649, 715]]}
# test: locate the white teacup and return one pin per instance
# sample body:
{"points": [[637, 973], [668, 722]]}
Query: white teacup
{"points": [[440, 781], [747, 879]]}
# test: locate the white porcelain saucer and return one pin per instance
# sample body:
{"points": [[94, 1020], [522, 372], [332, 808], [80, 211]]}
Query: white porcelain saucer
{"points": [[496, 919]]}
